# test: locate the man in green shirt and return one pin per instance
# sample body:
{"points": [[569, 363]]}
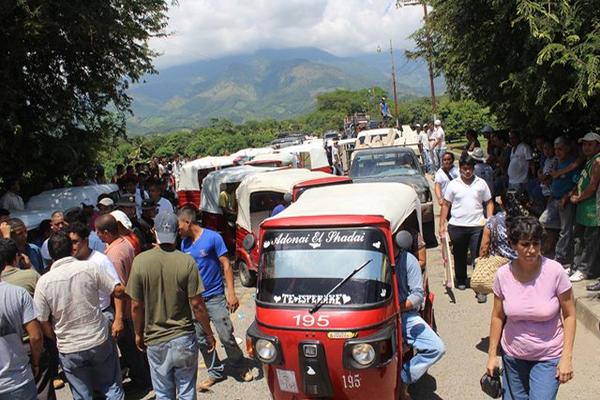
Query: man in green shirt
{"points": [[163, 284], [587, 264]]}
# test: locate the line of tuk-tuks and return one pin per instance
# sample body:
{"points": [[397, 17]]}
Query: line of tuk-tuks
{"points": [[327, 319]]}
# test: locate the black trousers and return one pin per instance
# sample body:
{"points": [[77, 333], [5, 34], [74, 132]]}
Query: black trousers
{"points": [[464, 238], [139, 370]]}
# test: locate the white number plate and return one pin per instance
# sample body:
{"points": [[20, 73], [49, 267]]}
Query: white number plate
{"points": [[287, 380]]}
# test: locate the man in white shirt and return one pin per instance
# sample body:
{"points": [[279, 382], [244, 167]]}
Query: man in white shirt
{"points": [[439, 144], [79, 234], [66, 301], [520, 158], [466, 195], [162, 204], [423, 147], [11, 200]]}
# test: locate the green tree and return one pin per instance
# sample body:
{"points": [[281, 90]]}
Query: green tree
{"points": [[535, 63], [64, 74]]}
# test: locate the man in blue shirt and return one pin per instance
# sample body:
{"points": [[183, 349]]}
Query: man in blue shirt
{"points": [[209, 250], [283, 204], [427, 346]]}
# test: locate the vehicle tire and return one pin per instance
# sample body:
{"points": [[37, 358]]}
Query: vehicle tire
{"points": [[429, 235], [247, 277]]}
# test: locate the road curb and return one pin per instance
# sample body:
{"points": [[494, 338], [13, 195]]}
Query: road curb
{"points": [[588, 312]]}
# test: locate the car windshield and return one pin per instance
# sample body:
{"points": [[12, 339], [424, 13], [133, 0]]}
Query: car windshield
{"points": [[299, 267], [370, 164]]}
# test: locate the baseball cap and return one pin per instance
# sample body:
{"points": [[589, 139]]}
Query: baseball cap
{"points": [[590, 137], [437, 122], [487, 129], [148, 204], [106, 202], [166, 226], [122, 218], [127, 200]]}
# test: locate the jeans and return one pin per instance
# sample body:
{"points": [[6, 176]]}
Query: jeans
{"points": [[564, 245], [464, 238], [587, 250], [94, 369], [427, 345], [139, 371], [437, 154], [219, 316], [529, 380], [174, 365], [426, 160], [25, 392]]}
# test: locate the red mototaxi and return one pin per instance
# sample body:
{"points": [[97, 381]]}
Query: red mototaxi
{"points": [[189, 187], [352, 347]]}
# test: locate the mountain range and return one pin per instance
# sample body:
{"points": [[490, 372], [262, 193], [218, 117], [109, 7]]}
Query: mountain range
{"points": [[269, 83]]}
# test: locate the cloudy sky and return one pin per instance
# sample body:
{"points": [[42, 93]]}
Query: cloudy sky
{"points": [[206, 29]]}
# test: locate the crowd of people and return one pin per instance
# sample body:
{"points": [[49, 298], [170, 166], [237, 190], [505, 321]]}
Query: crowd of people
{"points": [[553, 179], [130, 276], [108, 279]]}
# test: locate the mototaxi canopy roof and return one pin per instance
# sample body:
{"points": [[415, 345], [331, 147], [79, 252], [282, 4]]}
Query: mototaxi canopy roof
{"points": [[211, 185], [393, 201], [282, 157], [188, 178], [281, 181], [318, 155]]}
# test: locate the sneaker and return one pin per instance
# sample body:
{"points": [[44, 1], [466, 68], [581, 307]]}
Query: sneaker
{"points": [[58, 383], [246, 375], [594, 287], [206, 384], [461, 287], [481, 298], [577, 276]]}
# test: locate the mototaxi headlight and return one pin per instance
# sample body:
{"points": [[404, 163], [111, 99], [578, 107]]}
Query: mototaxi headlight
{"points": [[363, 353], [265, 350]]}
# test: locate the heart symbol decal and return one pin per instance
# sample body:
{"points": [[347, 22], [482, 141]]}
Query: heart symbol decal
{"points": [[315, 245], [346, 298], [266, 244], [277, 299], [377, 245]]}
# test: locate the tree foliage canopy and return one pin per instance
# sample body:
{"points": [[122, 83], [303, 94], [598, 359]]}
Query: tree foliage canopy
{"points": [[64, 73], [535, 63]]}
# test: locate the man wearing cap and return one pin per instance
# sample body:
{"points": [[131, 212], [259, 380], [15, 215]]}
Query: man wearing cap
{"points": [[133, 231], [164, 283], [587, 263], [121, 254], [439, 144], [210, 253], [482, 169]]}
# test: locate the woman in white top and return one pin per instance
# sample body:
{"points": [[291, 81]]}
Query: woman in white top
{"points": [[444, 175]]}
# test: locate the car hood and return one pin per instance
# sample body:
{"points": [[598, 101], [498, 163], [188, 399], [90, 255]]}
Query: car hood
{"points": [[417, 182]]}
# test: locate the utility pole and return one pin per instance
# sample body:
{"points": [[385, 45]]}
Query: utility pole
{"points": [[401, 3], [394, 81]]}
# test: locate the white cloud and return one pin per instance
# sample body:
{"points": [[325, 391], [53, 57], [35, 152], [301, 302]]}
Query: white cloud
{"points": [[203, 29]]}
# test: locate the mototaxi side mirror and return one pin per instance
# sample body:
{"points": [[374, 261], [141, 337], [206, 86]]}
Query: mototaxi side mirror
{"points": [[249, 242], [403, 240]]}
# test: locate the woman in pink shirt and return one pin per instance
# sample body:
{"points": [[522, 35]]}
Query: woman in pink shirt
{"points": [[530, 293]]}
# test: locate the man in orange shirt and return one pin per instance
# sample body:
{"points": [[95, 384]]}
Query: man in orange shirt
{"points": [[121, 254]]}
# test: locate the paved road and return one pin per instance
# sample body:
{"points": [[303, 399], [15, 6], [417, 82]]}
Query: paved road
{"points": [[464, 328]]}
